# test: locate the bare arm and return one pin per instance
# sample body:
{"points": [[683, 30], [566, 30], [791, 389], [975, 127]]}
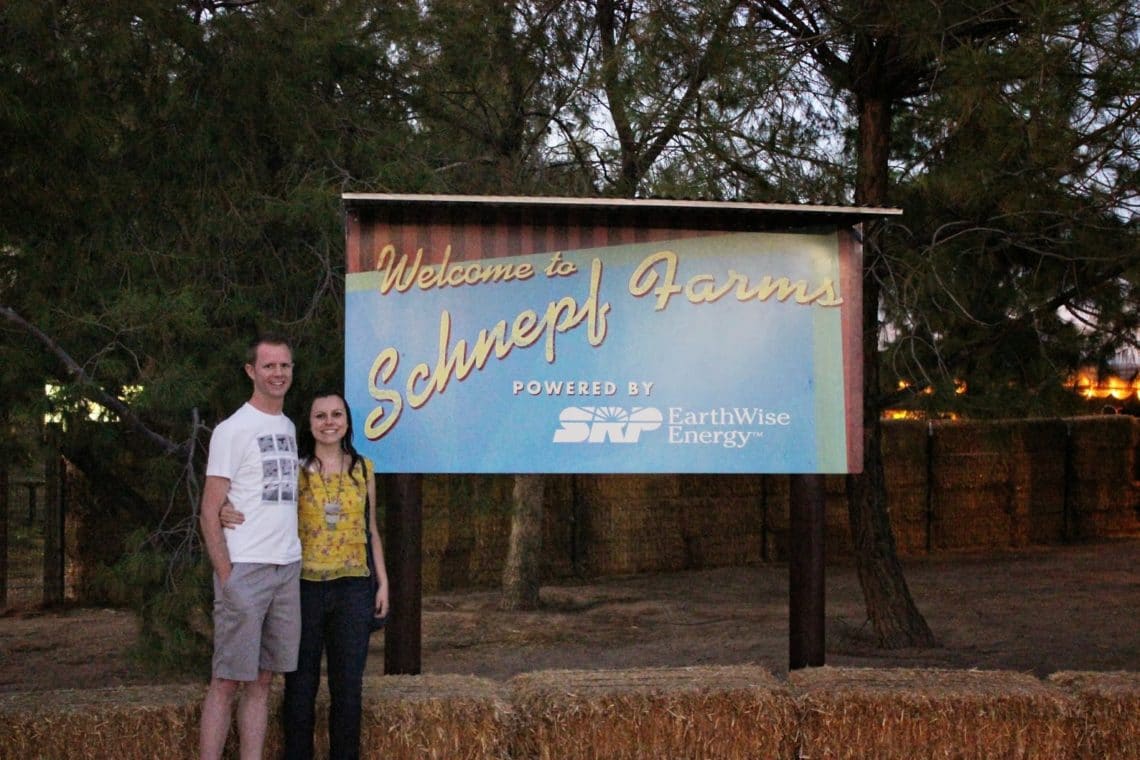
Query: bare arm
{"points": [[213, 497], [381, 602]]}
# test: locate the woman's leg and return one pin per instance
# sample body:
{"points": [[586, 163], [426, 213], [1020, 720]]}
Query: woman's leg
{"points": [[347, 653], [298, 709]]}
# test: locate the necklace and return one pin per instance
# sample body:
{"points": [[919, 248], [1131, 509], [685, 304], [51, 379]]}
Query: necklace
{"points": [[331, 507]]}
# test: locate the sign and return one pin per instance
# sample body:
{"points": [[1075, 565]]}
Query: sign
{"points": [[573, 339]]}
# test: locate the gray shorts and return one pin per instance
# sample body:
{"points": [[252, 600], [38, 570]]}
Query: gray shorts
{"points": [[257, 620]]}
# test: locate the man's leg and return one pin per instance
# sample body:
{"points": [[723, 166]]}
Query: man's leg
{"points": [[253, 715], [239, 611], [216, 714]]}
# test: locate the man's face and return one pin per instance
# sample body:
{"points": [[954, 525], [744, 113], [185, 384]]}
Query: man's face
{"points": [[272, 371]]}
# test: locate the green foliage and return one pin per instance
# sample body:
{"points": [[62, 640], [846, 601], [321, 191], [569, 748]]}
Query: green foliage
{"points": [[1016, 223], [170, 189], [173, 600]]}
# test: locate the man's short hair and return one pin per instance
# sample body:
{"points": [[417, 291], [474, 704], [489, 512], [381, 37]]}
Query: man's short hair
{"points": [[268, 339]]}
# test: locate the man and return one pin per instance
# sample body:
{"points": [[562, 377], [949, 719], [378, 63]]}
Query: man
{"points": [[257, 614]]}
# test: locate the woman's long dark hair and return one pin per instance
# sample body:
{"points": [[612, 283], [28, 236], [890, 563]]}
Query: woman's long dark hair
{"points": [[307, 444]]}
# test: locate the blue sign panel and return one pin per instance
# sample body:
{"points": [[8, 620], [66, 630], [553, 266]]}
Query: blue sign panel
{"points": [[719, 353]]}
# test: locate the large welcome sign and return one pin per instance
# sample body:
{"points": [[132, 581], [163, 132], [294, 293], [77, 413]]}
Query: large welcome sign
{"points": [[513, 335]]}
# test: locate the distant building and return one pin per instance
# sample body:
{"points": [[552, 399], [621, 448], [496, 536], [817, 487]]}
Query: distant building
{"points": [[1116, 390]]}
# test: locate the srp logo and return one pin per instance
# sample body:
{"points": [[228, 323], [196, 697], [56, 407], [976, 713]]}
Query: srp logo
{"points": [[597, 424]]}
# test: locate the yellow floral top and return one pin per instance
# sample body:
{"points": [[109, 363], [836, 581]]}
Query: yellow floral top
{"points": [[330, 520]]}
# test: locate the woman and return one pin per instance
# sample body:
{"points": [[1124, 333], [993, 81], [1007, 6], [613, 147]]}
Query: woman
{"points": [[337, 599]]}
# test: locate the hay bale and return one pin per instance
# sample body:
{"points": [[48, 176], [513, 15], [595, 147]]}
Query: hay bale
{"points": [[954, 437], [984, 517], [598, 490], [1105, 431], [1041, 436], [775, 506], [906, 503], [676, 713], [1108, 712], [968, 471], [434, 717], [906, 714], [127, 722], [717, 486], [635, 533], [904, 450], [1103, 464], [1121, 521], [405, 717], [719, 531], [910, 535]]}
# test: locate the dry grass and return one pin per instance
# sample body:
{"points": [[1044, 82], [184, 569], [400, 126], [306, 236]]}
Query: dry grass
{"points": [[439, 717], [677, 713], [1108, 712], [907, 714], [143, 722]]}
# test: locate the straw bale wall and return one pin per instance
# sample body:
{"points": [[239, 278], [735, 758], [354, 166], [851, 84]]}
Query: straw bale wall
{"points": [[465, 529], [997, 484], [903, 714], [698, 712], [126, 722], [1102, 452], [906, 469], [1107, 711], [438, 717], [950, 486]]}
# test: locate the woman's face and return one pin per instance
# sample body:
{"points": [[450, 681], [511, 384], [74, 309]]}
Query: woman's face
{"points": [[328, 419]]}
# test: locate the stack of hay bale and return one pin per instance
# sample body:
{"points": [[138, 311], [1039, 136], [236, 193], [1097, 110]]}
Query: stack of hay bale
{"points": [[700, 712]]}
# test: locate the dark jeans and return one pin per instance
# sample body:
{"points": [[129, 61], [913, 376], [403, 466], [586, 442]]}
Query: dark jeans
{"points": [[334, 619]]}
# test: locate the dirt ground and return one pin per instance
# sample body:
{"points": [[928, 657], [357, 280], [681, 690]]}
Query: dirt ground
{"points": [[1037, 610]]}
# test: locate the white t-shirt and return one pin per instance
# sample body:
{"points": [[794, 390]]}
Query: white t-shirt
{"points": [[257, 453]]}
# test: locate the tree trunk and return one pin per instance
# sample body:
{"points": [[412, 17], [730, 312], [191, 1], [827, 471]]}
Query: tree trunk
{"points": [[892, 612], [521, 571], [890, 608]]}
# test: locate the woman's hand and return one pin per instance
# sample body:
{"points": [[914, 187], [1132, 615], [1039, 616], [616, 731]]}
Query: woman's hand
{"points": [[380, 607], [230, 517]]}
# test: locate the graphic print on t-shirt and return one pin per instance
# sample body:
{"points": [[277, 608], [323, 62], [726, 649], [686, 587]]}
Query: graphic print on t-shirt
{"points": [[278, 467]]}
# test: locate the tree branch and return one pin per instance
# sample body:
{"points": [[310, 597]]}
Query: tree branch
{"points": [[89, 386], [997, 335]]}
